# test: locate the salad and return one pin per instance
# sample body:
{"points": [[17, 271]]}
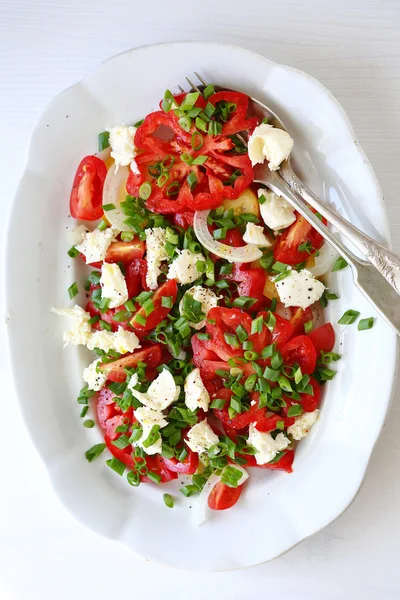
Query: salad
{"points": [[202, 302]]}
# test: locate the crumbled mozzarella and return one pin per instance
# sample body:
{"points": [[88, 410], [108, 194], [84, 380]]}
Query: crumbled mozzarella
{"points": [[77, 235], [299, 288], [113, 284], [271, 144], [201, 437], [122, 145], [207, 298], [162, 391], [155, 254], [80, 331], [96, 244], [95, 379], [303, 424], [184, 267], [266, 446], [148, 417], [254, 234], [196, 395], [275, 211], [121, 341]]}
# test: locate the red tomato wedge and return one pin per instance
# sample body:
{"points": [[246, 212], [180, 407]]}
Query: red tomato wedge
{"points": [[299, 318], [287, 246], [323, 338], [188, 466], [125, 252], [223, 497], [87, 189], [283, 464], [300, 350], [224, 321], [115, 369], [167, 289]]}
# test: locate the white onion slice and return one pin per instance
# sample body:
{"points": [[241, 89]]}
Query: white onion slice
{"points": [[245, 254], [201, 508], [104, 154], [114, 191], [324, 261]]}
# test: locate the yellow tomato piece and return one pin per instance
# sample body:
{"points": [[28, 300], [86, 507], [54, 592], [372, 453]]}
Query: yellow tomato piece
{"points": [[270, 290], [246, 203], [310, 262], [109, 162]]}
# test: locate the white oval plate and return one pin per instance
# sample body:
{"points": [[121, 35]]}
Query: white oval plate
{"points": [[276, 510]]}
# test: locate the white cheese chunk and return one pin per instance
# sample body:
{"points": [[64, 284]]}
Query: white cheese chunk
{"points": [[113, 284], [80, 331], [303, 424], [299, 288], [254, 234], [275, 211], [155, 254], [121, 341], [77, 235], [271, 144], [122, 144], [96, 244], [266, 446], [184, 268], [207, 298], [162, 391], [95, 379], [196, 395], [148, 417], [201, 437]]}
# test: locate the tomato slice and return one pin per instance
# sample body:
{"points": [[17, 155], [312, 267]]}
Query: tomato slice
{"points": [[300, 350], [283, 464], [135, 277], [310, 402], [125, 252], [221, 321], [266, 421], [223, 497], [188, 466], [87, 189], [238, 422], [167, 289], [115, 370], [299, 318], [323, 338], [155, 463], [287, 250], [201, 351], [251, 281]]}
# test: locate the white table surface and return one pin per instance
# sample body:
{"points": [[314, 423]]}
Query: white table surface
{"points": [[353, 47]]}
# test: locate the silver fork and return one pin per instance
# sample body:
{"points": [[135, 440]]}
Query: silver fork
{"points": [[378, 278]]}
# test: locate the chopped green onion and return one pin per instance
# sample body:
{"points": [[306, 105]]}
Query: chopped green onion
{"points": [[140, 319], [191, 179], [167, 301], [167, 163], [244, 301], [167, 102], [235, 404], [214, 128], [348, 317], [251, 355], [138, 123], [121, 442], [284, 384], [208, 91], [276, 360], [102, 225], [250, 382], [73, 252], [154, 476], [309, 326], [295, 410], [116, 465], [127, 236], [94, 451], [145, 190], [271, 374], [256, 325], [231, 339], [186, 123], [242, 334], [107, 207], [365, 324], [231, 476], [197, 141], [218, 403], [204, 336], [73, 290], [268, 351], [168, 500], [88, 423], [189, 101], [246, 345], [84, 411], [200, 124], [133, 478], [340, 263], [173, 189], [200, 160], [103, 141], [162, 179], [272, 307]]}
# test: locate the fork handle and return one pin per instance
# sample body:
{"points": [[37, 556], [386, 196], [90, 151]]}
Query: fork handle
{"points": [[370, 281], [383, 259]]}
